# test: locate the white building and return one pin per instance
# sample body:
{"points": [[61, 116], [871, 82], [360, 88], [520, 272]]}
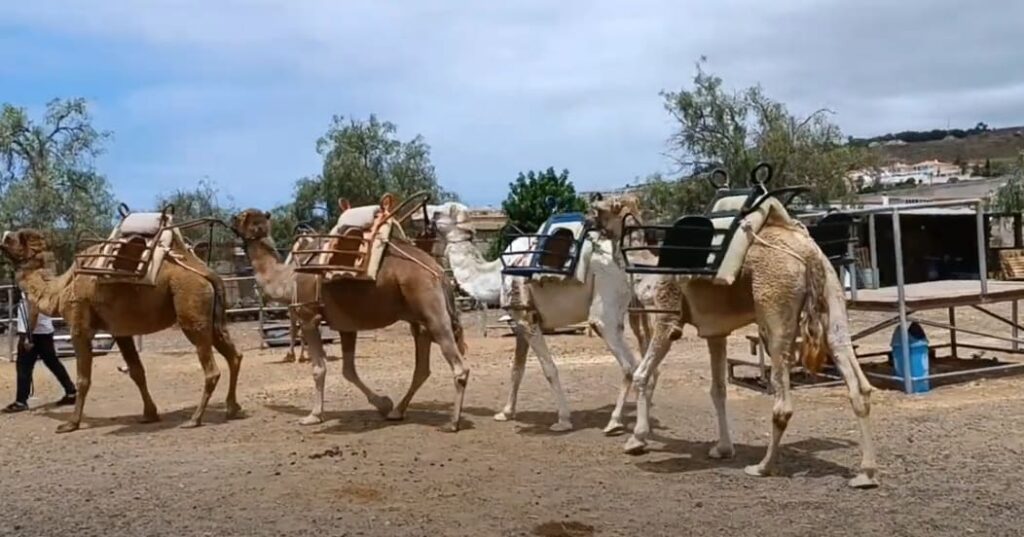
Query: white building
{"points": [[927, 172]]}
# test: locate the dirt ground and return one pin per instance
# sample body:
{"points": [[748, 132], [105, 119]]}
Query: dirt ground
{"points": [[950, 460]]}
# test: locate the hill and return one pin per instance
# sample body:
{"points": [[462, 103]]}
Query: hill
{"points": [[995, 144]]}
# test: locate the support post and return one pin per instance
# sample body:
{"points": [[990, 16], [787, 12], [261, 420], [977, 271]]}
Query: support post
{"points": [[12, 325], [209, 245], [1014, 331], [873, 247], [952, 332], [982, 248], [908, 383]]}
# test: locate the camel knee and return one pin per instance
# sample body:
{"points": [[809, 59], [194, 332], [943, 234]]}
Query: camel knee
{"points": [[781, 416]]}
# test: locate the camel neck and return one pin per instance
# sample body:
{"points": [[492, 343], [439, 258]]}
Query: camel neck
{"points": [[42, 289], [263, 257]]}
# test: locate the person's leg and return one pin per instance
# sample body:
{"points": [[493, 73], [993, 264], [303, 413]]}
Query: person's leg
{"points": [[25, 363], [46, 351]]}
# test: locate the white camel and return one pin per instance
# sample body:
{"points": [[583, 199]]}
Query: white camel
{"points": [[600, 296]]}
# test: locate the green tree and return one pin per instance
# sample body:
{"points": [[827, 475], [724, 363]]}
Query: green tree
{"points": [[1009, 198], [47, 177], [363, 160], [203, 201], [527, 204], [664, 200], [738, 129]]}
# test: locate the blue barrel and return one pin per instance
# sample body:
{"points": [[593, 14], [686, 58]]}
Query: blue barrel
{"points": [[918, 344]]}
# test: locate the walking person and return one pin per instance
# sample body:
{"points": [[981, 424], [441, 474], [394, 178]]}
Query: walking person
{"points": [[36, 344]]}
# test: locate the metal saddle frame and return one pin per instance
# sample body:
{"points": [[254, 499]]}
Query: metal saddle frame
{"points": [[555, 249]]}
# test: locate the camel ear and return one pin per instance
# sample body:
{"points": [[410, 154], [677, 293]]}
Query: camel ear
{"points": [[596, 196], [343, 204], [387, 202], [266, 215]]}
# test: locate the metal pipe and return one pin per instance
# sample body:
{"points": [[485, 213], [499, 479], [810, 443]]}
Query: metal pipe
{"points": [[982, 250], [997, 317], [990, 348], [901, 294], [1015, 327], [976, 371], [876, 328], [952, 331], [873, 246], [964, 330]]}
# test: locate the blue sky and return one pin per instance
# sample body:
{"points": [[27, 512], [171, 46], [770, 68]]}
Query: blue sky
{"points": [[239, 91]]}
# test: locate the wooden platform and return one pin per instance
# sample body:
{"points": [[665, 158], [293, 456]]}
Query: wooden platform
{"points": [[937, 294]]}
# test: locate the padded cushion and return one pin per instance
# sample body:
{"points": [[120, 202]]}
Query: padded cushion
{"points": [[145, 224], [729, 203], [357, 217]]}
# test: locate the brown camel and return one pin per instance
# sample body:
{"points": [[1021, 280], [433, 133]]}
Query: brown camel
{"points": [[788, 288], [409, 286], [185, 292]]}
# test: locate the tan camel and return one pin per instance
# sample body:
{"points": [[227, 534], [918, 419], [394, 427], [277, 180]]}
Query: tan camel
{"points": [[185, 292], [788, 288], [410, 286]]}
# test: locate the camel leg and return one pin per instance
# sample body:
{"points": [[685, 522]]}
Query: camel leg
{"points": [[383, 404], [292, 329], [860, 399], [717, 349], [518, 367], [440, 331], [643, 382], [613, 333], [318, 363], [535, 336], [83, 358], [204, 348], [226, 347], [138, 376], [420, 372], [781, 339]]}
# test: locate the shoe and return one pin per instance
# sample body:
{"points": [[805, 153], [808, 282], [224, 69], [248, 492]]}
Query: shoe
{"points": [[67, 400], [14, 407]]}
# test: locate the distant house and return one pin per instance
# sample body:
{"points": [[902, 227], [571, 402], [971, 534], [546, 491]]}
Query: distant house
{"points": [[927, 172]]}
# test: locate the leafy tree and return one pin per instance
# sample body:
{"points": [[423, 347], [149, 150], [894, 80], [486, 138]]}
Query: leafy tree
{"points": [[47, 178], [203, 201], [526, 205], [738, 129], [363, 160], [664, 200], [1009, 198]]}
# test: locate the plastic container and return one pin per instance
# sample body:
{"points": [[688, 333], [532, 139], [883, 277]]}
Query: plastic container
{"points": [[918, 345]]}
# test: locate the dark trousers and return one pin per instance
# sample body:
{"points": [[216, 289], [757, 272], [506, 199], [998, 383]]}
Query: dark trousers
{"points": [[42, 349]]}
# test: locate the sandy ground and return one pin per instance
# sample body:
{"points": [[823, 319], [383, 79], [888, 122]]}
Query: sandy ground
{"points": [[951, 460]]}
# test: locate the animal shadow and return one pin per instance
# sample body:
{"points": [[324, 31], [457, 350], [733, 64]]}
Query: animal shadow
{"points": [[431, 414], [539, 422], [131, 424], [796, 458]]}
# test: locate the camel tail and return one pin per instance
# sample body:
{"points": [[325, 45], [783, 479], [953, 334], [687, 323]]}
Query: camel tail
{"points": [[453, 313], [814, 318]]}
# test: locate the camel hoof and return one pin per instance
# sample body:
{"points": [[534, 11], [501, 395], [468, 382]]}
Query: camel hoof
{"points": [[385, 405], [449, 428], [191, 424], [396, 415], [67, 427], [863, 482], [756, 470], [614, 429], [719, 453], [311, 419], [634, 446], [561, 427], [149, 418], [288, 358], [235, 413], [502, 416]]}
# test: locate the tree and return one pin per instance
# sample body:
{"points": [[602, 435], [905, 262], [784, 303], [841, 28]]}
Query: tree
{"points": [[203, 201], [527, 204], [1009, 198], [363, 160], [47, 178], [664, 200], [738, 129]]}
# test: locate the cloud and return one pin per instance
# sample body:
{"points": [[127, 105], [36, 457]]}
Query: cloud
{"points": [[239, 91]]}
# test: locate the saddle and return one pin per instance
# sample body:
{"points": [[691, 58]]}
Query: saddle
{"points": [[557, 251], [355, 246], [709, 245], [134, 251]]}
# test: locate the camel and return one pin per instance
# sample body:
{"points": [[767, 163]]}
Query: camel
{"points": [[185, 292], [789, 289], [409, 287], [535, 306]]}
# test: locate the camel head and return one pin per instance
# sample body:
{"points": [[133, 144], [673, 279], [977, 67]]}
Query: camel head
{"points": [[452, 220], [25, 248], [605, 214], [251, 225]]}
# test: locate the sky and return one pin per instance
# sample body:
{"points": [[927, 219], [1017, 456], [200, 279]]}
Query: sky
{"points": [[238, 92]]}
